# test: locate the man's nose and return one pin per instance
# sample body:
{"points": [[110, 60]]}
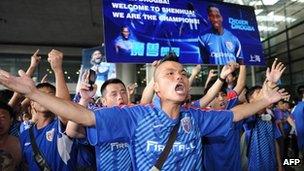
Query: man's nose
{"points": [[179, 76]]}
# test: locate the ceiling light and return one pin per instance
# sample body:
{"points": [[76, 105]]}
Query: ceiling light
{"points": [[269, 2], [275, 18], [301, 1], [265, 28], [258, 11], [254, 3]]}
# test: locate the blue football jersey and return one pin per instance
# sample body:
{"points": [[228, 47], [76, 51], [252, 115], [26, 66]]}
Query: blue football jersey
{"points": [[298, 117], [125, 45], [224, 153], [220, 49], [58, 150], [261, 139], [113, 156], [86, 152], [147, 129]]}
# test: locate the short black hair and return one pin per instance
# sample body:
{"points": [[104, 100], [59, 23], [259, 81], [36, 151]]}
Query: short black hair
{"points": [[234, 73], [300, 90], [5, 95], [110, 81], [170, 56], [6, 107], [46, 85], [251, 90], [124, 26]]}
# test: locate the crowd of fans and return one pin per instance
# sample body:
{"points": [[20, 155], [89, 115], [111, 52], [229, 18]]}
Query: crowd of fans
{"points": [[231, 127]]}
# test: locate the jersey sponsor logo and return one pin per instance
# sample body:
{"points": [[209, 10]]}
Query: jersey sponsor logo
{"points": [[186, 124], [50, 135], [27, 144], [117, 146], [177, 146], [229, 45], [221, 55]]}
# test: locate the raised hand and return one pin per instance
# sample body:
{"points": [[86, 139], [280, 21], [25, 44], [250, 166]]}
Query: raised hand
{"points": [[272, 94], [196, 70], [55, 59], [155, 63], [22, 84], [276, 71], [131, 89], [35, 59], [212, 73], [44, 79], [84, 91], [228, 69]]}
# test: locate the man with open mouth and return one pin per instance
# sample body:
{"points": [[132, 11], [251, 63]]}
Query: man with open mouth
{"points": [[147, 127]]}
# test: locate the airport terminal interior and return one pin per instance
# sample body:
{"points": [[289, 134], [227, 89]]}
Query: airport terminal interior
{"points": [[71, 26]]}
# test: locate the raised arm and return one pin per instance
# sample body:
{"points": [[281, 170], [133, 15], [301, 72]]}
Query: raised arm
{"points": [[212, 73], [55, 58], [73, 129], [195, 71], [267, 96], [212, 92], [131, 90], [60, 107], [148, 93], [274, 74], [241, 82], [17, 98]]}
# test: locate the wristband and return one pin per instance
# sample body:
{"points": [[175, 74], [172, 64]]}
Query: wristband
{"points": [[221, 79]]}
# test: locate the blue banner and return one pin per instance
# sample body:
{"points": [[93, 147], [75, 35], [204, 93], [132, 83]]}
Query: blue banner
{"points": [[141, 31]]}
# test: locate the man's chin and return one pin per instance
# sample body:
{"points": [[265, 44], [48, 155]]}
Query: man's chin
{"points": [[180, 100], [97, 62]]}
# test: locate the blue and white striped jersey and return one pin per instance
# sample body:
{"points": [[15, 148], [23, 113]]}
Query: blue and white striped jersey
{"points": [[113, 156], [298, 117], [147, 129]]}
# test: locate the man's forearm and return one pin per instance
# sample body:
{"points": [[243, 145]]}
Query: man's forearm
{"points": [[241, 80], [17, 97], [30, 71], [147, 95], [73, 129], [62, 90], [191, 79], [246, 110], [64, 108], [212, 92]]}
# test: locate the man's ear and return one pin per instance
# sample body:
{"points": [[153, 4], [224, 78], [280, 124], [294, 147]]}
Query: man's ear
{"points": [[32, 104], [103, 101], [156, 87]]}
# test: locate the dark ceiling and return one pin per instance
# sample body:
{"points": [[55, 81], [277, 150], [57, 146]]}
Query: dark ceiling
{"points": [[63, 23]]}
